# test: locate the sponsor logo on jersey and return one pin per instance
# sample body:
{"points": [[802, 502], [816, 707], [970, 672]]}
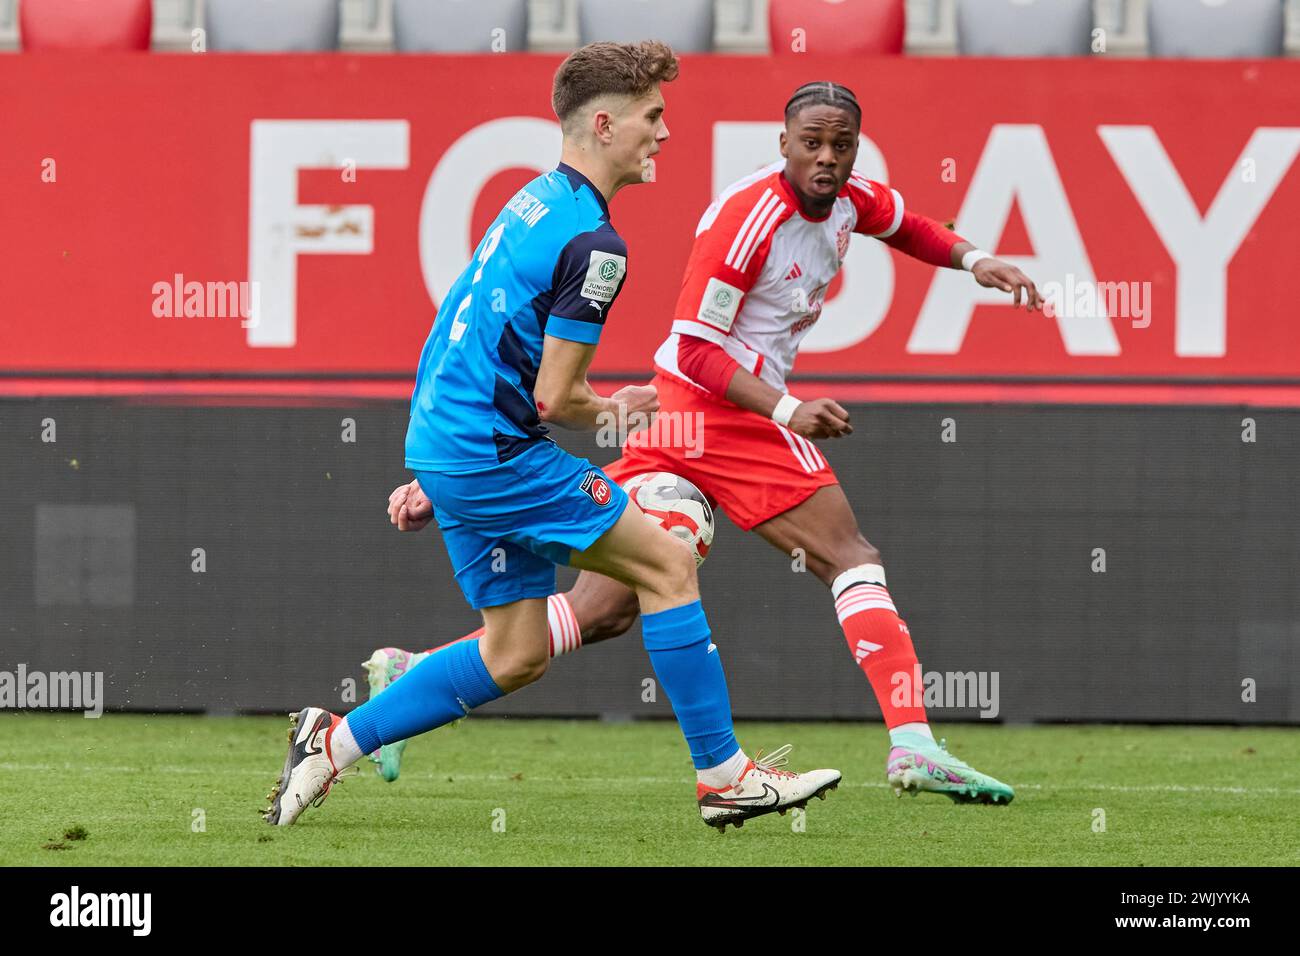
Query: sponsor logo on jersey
{"points": [[597, 489], [719, 305], [794, 273], [808, 321], [604, 272], [813, 308]]}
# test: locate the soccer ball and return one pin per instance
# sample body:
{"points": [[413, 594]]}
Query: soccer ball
{"points": [[677, 506]]}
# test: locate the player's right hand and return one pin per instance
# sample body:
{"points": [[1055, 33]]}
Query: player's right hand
{"points": [[640, 403], [638, 398], [409, 508], [820, 418]]}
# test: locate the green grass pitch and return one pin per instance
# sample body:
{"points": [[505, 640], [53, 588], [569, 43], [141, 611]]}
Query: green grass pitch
{"points": [[184, 790]]}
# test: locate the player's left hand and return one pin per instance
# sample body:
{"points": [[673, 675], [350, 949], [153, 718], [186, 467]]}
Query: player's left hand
{"points": [[409, 508], [996, 274]]}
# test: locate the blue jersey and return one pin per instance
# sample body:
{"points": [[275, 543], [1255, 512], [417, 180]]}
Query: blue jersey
{"points": [[550, 264]]}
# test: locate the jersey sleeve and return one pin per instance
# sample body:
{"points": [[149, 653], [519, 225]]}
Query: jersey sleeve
{"points": [[923, 238], [706, 364], [731, 245], [589, 274], [879, 208]]}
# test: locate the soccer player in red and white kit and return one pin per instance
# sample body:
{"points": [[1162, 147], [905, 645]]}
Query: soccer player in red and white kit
{"points": [[765, 252]]}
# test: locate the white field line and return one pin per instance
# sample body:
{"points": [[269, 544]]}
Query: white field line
{"points": [[217, 771]]}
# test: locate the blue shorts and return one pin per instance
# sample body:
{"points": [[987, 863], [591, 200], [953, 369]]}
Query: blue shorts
{"points": [[506, 527]]}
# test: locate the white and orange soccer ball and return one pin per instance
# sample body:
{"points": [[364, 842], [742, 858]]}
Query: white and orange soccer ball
{"points": [[677, 506]]}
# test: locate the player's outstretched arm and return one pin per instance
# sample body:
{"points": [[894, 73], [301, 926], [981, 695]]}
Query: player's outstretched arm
{"points": [[930, 241], [564, 397]]}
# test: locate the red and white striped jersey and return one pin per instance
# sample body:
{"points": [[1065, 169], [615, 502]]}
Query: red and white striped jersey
{"points": [[760, 268]]}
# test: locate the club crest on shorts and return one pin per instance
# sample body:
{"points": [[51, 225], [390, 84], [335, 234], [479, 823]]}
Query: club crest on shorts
{"points": [[597, 488]]}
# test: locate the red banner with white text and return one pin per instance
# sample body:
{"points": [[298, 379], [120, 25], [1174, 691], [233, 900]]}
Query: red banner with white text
{"points": [[276, 218]]}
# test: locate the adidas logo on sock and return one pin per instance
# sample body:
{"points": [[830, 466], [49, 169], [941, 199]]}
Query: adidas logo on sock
{"points": [[865, 648]]}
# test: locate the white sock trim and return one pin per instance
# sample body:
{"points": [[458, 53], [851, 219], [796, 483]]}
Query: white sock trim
{"points": [[862, 574], [725, 774], [562, 623], [343, 746]]}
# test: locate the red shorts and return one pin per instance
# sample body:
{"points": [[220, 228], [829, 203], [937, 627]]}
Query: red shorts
{"points": [[749, 466]]}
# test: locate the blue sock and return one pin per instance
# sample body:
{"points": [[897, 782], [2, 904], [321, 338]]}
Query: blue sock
{"points": [[443, 687], [691, 675]]}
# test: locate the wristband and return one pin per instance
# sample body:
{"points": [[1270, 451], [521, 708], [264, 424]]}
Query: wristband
{"points": [[975, 255], [784, 409]]}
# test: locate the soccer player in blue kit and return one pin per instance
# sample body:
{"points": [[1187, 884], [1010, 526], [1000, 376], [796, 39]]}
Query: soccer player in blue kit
{"points": [[509, 350]]}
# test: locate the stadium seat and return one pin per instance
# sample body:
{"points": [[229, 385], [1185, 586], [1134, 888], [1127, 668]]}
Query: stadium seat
{"points": [[78, 25], [1215, 28], [459, 26], [256, 26], [1024, 27], [831, 27], [685, 25]]}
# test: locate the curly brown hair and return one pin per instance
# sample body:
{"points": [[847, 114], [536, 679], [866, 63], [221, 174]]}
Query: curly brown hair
{"points": [[597, 69]]}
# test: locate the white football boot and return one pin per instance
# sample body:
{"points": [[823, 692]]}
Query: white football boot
{"points": [[308, 770], [762, 788]]}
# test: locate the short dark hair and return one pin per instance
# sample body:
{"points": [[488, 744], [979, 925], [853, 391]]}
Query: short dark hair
{"points": [[823, 93], [597, 69]]}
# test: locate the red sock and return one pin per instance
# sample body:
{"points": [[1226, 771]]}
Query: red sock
{"points": [[561, 623], [879, 642]]}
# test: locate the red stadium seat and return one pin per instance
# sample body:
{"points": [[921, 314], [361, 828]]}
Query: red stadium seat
{"points": [[831, 27], [85, 24]]}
